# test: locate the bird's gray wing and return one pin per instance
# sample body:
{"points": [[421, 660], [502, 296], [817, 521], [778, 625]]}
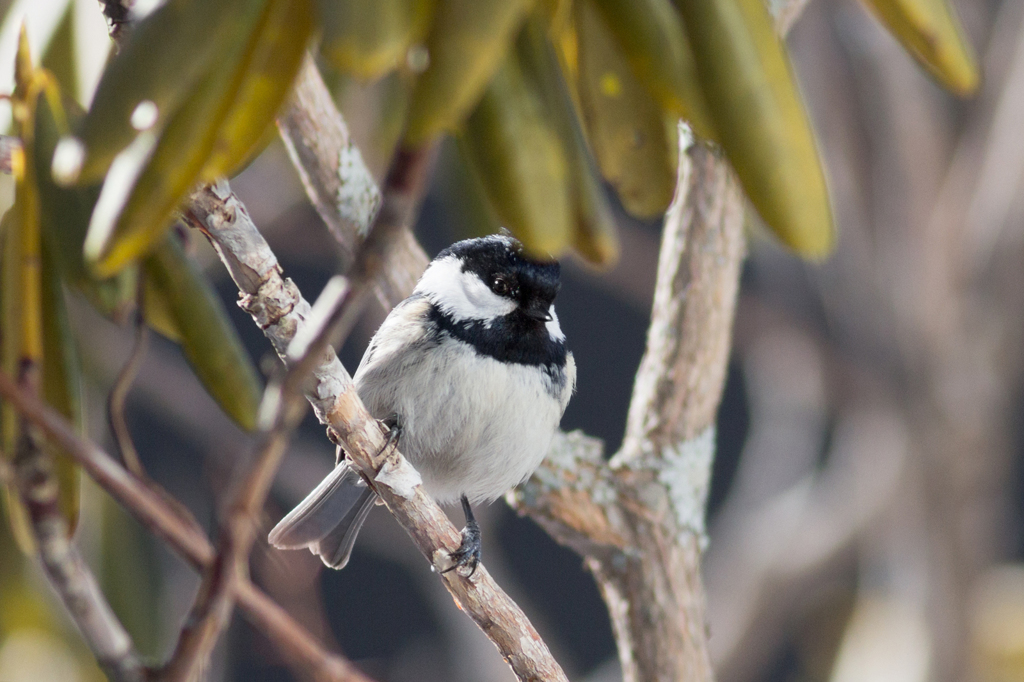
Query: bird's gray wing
{"points": [[405, 326]]}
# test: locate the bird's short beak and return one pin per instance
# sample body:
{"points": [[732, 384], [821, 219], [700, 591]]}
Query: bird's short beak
{"points": [[539, 314]]}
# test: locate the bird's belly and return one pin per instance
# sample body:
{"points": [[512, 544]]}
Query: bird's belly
{"points": [[471, 425]]}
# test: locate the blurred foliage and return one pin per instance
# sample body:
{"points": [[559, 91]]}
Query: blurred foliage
{"points": [[547, 98], [177, 107]]}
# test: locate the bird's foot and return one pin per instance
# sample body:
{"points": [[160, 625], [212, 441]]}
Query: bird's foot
{"points": [[468, 553], [394, 434]]}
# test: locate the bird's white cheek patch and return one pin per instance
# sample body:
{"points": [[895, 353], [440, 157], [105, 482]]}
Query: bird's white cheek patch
{"points": [[461, 294], [554, 330]]}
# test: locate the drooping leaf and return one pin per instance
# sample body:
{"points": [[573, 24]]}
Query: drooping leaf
{"points": [[466, 44], [167, 55], [213, 132], [208, 338], [521, 161], [65, 212], [931, 32], [62, 382], [594, 235], [271, 62], [36, 346], [760, 119], [10, 347], [650, 35], [369, 38], [632, 138]]}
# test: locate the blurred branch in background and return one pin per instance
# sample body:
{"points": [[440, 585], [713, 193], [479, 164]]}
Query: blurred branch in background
{"points": [[883, 395], [149, 503]]}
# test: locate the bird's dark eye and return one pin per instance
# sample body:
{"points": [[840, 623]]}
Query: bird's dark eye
{"points": [[501, 286]]}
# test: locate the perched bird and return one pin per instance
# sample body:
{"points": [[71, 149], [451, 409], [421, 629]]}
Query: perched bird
{"points": [[473, 372]]}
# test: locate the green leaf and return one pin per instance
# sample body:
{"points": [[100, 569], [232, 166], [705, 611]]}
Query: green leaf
{"points": [[10, 353], [594, 233], [760, 119], [633, 139], [521, 162], [466, 44], [931, 32], [65, 212], [214, 131], [208, 338], [650, 35], [369, 38], [167, 55], [62, 382]]}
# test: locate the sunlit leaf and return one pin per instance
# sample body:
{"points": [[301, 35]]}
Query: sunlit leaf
{"points": [[214, 131], [632, 138], [650, 35], [167, 55], [467, 42], [521, 161], [10, 351], [931, 32], [760, 119], [36, 345], [369, 38]]}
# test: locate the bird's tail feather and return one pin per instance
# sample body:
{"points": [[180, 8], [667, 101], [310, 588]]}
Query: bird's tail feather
{"points": [[329, 519]]}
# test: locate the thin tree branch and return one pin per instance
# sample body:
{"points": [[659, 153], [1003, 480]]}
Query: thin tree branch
{"points": [[149, 504], [68, 574], [119, 394]]}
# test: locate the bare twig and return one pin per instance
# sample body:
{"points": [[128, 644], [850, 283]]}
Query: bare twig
{"points": [[69, 575], [119, 394], [340, 306], [147, 502], [118, 14]]}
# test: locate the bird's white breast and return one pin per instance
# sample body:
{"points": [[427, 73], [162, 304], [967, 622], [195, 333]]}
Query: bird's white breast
{"points": [[470, 424]]}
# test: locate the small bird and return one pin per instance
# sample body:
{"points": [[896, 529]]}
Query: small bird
{"points": [[473, 374]]}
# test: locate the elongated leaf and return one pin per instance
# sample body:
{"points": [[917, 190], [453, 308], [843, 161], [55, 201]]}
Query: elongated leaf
{"points": [[632, 138], [651, 36], [210, 342], [369, 38], [167, 55], [760, 119], [271, 62], [65, 218], [466, 44], [931, 32], [214, 131], [62, 382], [157, 311], [36, 345], [594, 235], [10, 351], [516, 151]]}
